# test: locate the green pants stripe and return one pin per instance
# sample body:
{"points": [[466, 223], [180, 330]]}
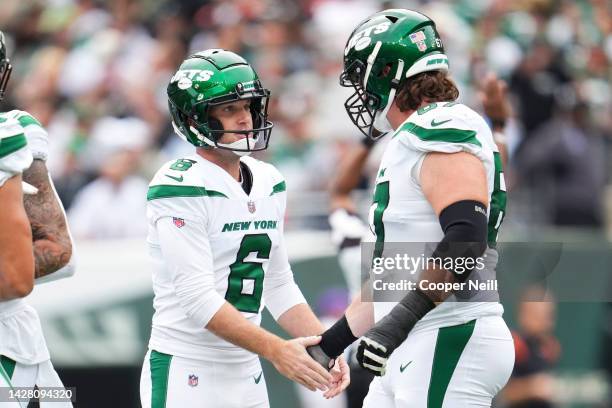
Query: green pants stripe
{"points": [[449, 346], [160, 368]]}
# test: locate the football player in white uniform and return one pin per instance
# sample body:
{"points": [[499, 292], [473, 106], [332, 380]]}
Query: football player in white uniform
{"points": [[440, 181], [216, 240], [24, 358]]}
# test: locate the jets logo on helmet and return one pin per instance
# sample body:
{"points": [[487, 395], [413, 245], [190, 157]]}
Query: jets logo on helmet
{"points": [[211, 78], [185, 78], [363, 38], [382, 52]]}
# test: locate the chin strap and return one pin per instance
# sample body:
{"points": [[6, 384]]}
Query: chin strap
{"points": [[381, 123], [202, 137], [241, 144]]}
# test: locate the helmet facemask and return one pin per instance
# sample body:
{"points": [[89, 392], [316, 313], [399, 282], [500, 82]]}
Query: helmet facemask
{"points": [[365, 108], [5, 73], [5, 67], [361, 106]]}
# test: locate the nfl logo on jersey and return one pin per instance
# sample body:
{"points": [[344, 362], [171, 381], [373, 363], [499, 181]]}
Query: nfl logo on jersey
{"points": [[251, 206], [179, 222], [193, 380]]}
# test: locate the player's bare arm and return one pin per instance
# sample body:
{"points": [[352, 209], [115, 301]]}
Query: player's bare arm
{"points": [[52, 245], [289, 357], [444, 186], [16, 260], [498, 109], [348, 177]]}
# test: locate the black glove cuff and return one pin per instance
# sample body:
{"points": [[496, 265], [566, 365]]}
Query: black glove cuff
{"points": [[337, 338]]}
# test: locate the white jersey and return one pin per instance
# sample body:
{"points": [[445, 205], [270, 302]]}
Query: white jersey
{"points": [[15, 156], [21, 336], [401, 213], [211, 243]]}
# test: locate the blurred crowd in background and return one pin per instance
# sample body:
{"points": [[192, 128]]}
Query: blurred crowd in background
{"points": [[94, 73]]}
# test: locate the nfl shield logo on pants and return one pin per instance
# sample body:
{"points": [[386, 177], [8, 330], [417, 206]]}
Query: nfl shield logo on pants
{"points": [[193, 380], [179, 222], [251, 206]]}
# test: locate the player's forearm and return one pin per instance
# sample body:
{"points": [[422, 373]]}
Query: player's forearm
{"points": [[16, 265], [49, 257], [16, 261], [350, 172], [300, 321], [500, 141], [52, 244], [360, 316], [229, 324]]}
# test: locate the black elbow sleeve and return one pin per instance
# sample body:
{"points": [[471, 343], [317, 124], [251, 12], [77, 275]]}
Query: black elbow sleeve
{"points": [[465, 237]]}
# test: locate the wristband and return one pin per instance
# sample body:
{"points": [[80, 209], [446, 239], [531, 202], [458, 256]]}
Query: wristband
{"points": [[337, 338]]}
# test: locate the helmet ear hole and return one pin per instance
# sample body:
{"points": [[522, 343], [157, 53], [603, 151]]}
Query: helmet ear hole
{"points": [[256, 113], [384, 72], [215, 124]]}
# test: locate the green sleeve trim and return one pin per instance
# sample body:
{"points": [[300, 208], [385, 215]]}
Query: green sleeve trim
{"points": [[11, 144], [8, 365], [166, 191], [448, 135], [27, 120], [279, 188]]}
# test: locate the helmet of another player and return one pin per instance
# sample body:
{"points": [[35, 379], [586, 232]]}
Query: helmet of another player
{"points": [[211, 78], [381, 53], [5, 66]]}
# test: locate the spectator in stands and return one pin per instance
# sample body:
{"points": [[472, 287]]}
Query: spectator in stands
{"points": [[537, 351], [113, 205]]}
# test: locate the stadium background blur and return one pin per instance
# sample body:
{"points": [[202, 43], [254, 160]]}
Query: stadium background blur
{"points": [[94, 73]]}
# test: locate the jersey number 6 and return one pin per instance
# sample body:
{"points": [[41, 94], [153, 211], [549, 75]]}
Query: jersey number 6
{"points": [[245, 281]]}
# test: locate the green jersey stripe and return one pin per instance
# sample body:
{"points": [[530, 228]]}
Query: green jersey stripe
{"points": [[449, 135], [27, 120], [8, 365], [449, 346], [160, 372], [381, 199], [498, 201], [11, 144], [279, 188], [166, 191]]}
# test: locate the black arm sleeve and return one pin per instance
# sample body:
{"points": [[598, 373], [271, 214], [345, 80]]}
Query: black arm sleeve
{"points": [[465, 236]]}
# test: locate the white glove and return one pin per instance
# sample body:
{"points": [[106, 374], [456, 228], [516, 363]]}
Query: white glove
{"points": [[28, 188]]}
